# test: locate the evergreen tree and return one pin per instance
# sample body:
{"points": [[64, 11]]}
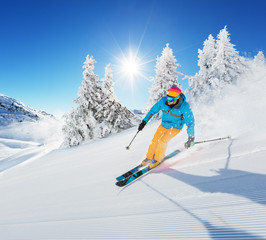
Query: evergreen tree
{"points": [[259, 59], [111, 116], [97, 113], [228, 64], [80, 123], [166, 76], [220, 65], [108, 84], [203, 81]]}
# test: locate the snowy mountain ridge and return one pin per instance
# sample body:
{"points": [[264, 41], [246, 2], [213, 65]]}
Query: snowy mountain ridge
{"points": [[12, 110]]}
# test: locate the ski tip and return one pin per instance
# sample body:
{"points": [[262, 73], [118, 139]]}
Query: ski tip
{"points": [[120, 183]]}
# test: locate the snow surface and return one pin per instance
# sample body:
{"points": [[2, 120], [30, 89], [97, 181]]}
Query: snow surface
{"points": [[212, 191], [25, 141]]}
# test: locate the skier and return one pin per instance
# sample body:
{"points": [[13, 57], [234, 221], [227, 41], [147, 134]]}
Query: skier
{"points": [[176, 113]]}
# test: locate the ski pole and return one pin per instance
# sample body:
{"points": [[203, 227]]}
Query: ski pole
{"points": [[127, 147], [212, 140]]}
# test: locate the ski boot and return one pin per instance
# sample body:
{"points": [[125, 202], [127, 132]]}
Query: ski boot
{"points": [[154, 163], [145, 162]]}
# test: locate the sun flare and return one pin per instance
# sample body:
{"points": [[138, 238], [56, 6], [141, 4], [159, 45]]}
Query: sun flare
{"points": [[130, 66]]}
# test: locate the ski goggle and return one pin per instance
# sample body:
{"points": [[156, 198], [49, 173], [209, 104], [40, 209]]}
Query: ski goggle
{"points": [[171, 99]]}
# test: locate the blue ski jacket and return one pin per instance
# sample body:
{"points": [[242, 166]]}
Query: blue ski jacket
{"points": [[174, 117]]}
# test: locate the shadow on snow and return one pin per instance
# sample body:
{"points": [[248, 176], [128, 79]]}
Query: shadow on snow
{"points": [[16, 159], [242, 183], [236, 182], [215, 232]]}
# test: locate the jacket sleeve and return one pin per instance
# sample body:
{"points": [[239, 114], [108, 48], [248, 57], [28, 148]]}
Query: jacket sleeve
{"points": [[154, 110], [189, 121]]}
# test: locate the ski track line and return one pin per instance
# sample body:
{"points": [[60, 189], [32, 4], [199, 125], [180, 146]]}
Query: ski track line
{"points": [[155, 230], [148, 227], [239, 211]]}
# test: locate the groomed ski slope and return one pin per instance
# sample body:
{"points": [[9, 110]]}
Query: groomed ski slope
{"points": [[212, 191]]}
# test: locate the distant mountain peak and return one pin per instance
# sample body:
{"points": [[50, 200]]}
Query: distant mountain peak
{"points": [[12, 110]]}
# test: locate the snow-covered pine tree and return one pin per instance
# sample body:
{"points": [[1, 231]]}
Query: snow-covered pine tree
{"points": [[228, 64], [111, 116], [166, 76], [98, 113], [220, 65], [75, 128], [259, 59], [80, 123], [108, 84], [201, 84]]}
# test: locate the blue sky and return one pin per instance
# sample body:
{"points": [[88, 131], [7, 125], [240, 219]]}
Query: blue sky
{"points": [[44, 43]]}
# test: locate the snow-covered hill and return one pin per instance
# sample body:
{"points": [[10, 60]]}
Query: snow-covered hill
{"points": [[23, 141], [212, 191], [12, 110]]}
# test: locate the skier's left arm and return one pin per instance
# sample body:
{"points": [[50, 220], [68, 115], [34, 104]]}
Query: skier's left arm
{"points": [[190, 122]]}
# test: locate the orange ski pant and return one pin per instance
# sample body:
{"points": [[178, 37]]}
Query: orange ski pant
{"points": [[159, 143]]}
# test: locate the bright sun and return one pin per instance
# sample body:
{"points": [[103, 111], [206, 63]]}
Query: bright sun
{"points": [[130, 66]]}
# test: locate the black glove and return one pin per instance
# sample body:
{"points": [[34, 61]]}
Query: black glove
{"points": [[190, 142], [142, 125]]}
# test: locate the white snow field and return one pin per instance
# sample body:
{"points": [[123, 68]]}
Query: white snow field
{"points": [[211, 191], [214, 190]]}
